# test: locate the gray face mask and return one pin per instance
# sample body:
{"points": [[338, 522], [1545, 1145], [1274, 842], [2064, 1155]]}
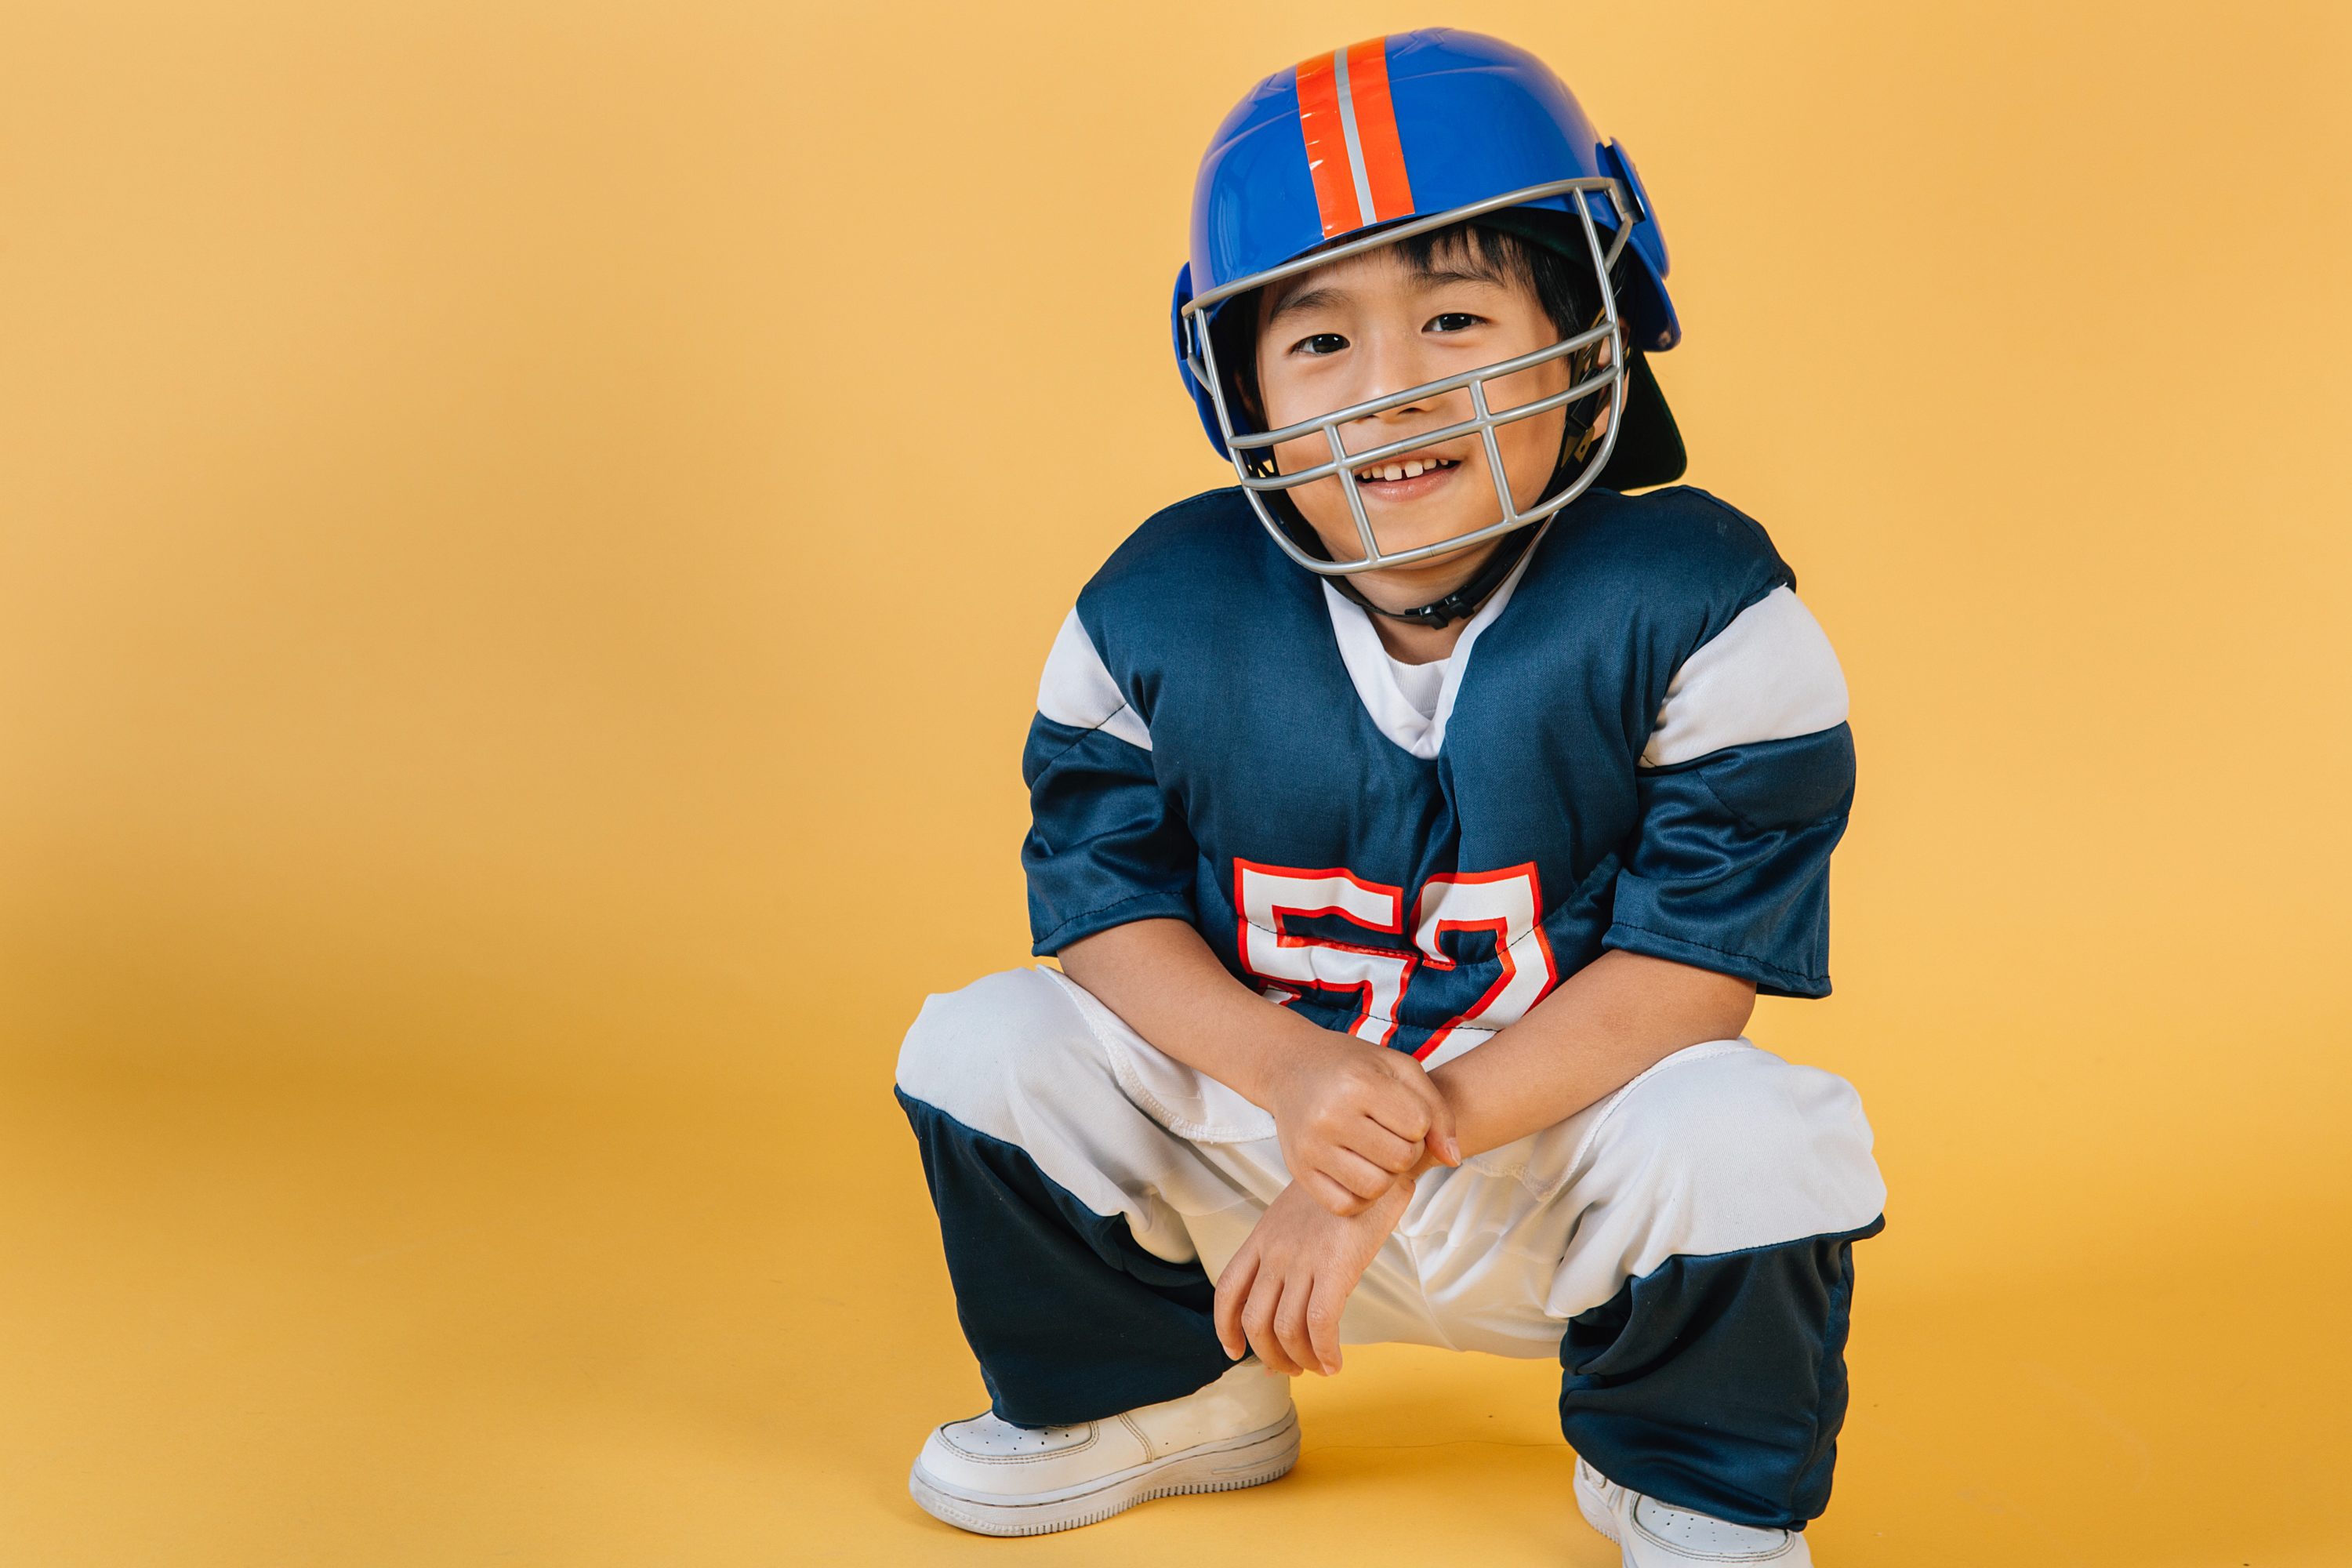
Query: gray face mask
{"points": [[1252, 452]]}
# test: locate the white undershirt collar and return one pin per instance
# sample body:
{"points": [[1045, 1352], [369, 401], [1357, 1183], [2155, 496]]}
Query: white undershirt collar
{"points": [[1371, 669], [1421, 684]]}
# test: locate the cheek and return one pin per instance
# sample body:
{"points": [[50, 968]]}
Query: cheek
{"points": [[1530, 446], [1282, 401], [1304, 453], [1530, 450], [1278, 386], [1288, 406]]}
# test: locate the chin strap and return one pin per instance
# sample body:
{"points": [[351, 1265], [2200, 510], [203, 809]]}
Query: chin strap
{"points": [[1463, 602]]}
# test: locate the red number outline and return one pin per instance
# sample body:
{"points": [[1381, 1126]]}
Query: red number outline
{"points": [[1433, 954], [1409, 957]]}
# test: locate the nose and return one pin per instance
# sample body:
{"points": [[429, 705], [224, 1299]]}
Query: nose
{"points": [[1389, 363]]}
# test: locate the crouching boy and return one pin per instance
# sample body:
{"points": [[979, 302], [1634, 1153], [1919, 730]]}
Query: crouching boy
{"points": [[1414, 824]]}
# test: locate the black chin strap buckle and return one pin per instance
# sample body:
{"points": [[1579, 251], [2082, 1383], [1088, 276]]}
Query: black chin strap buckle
{"points": [[1463, 602], [1457, 605]]}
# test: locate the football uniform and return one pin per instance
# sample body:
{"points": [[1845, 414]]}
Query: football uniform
{"points": [[1638, 742]]}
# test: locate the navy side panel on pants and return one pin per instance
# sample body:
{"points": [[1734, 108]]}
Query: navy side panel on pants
{"points": [[1719, 1383], [1071, 1320]]}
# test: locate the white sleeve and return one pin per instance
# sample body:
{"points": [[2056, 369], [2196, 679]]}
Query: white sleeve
{"points": [[1768, 675], [1078, 690]]}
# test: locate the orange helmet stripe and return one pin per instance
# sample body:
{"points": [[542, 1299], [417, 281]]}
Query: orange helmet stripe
{"points": [[1376, 132], [1327, 143]]}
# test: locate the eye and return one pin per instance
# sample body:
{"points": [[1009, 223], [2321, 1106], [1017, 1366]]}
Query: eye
{"points": [[1320, 344], [1454, 321]]}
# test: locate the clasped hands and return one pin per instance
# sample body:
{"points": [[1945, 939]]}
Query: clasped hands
{"points": [[1358, 1122]]}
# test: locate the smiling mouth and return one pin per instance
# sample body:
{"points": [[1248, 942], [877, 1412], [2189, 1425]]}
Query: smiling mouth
{"points": [[1411, 468]]}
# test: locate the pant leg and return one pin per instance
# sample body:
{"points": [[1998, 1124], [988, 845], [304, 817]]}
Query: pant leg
{"points": [[1076, 1279], [1683, 1247], [1719, 1383], [1709, 1282]]}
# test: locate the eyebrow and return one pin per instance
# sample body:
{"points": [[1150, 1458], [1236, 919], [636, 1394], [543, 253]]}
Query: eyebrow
{"points": [[1427, 277], [1438, 277], [1311, 299]]}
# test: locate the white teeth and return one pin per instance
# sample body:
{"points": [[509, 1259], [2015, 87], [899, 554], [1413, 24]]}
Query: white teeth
{"points": [[1411, 468]]}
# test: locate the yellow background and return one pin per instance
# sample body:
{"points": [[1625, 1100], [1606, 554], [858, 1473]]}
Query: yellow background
{"points": [[527, 533]]}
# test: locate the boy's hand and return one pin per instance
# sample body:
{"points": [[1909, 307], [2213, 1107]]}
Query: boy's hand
{"points": [[1283, 1292], [1355, 1118]]}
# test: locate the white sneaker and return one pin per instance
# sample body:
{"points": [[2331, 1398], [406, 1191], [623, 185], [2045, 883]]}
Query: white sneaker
{"points": [[995, 1479], [1649, 1534]]}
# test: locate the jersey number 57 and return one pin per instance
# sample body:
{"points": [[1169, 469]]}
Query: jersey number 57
{"points": [[1508, 903]]}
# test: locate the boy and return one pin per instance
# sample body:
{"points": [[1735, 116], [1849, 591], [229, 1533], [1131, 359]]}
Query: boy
{"points": [[1415, 826]]}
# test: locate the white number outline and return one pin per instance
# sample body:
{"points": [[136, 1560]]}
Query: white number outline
{"points": [[1271, 953], [1508, 903], [1484, 900]]}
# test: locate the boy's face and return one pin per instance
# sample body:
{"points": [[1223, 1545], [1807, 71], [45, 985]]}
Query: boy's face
{"points": [[1374, 324]]}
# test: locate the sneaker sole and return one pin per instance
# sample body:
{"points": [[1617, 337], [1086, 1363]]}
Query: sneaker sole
{"points": [[1589, 1504], [1249, 1460]]}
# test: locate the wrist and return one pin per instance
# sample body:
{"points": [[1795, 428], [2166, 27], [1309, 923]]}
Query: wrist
{"points": [[1382, 1213], [1448, 1084], [1290, 1052]]}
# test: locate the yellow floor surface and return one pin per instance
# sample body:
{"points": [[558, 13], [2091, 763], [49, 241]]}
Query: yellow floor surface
{"points": [[528, 533], [251, 1326]]}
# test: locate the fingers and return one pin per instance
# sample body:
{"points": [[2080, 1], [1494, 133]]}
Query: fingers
{"points": [[1257, 1323], [1282, 1295], [1437, 1133], [1290, 1325], [1382, 1148], [1334, 1196], [1233, 1293], [1323, 1311], [1358, 1174], [1442, 1139], [1394, 1104]]}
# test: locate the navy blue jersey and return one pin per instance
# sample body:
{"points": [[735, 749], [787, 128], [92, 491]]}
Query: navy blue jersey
{"points": [[1640, 743]]}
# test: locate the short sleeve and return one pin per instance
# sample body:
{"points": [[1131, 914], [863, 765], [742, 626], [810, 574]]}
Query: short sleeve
{"points": [[1106, 845], [1744, 790]]}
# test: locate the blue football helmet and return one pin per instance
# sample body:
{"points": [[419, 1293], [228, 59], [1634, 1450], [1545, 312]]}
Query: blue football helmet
{"points": [[1390, 138]]}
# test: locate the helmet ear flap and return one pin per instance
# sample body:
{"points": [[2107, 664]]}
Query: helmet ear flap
{"points": [[1655, 326], [1647, 236], [1226, 338], [1183, 329], [1224, 326]]}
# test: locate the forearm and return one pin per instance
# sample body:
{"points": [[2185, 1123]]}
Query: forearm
{"points": [[1160, 977], [1604, 1026]]}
